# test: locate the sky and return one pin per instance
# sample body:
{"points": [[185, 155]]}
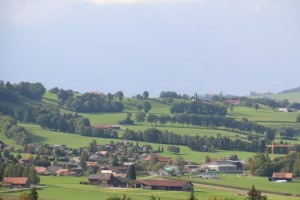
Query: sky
{"points": [[187, 46]]}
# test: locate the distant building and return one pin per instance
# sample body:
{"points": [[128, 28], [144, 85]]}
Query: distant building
{"points": [[288, 177], [174, 185], [16, 182], [209, 174], [222, 167], [283, 109], [233, 102]]}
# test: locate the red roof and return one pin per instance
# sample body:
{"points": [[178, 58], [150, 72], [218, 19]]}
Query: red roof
{"points": [[163, 183], [40, 169], [159, 159], [282, 175], [15, 180]]}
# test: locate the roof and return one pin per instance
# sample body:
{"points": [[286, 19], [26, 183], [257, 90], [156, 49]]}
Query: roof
{"points": [[121, 175], [53, 169], [59, 171], [15, 180], [40, 169], [159, 159], [103, 152], [164, 183], [105, 176], [282, 175]]}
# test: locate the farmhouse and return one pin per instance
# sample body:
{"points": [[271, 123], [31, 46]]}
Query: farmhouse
{"points": [[164, 185], [233, 102], [99, 179], [222, 167], [117, 182], [16, 182], [41, 170], [283, 109], [288, 177], [159, 159]]}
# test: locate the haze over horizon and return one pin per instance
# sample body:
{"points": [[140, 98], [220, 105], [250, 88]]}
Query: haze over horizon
{"points": [[187, 46]]}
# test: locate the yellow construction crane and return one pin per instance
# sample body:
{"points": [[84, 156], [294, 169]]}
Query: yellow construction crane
{"points": [[277, 145]]}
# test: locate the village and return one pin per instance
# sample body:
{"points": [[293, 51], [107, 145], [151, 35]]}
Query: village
{"points": [[119, 164]]}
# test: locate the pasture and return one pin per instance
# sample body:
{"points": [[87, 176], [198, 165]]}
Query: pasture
{"points": [[246, 182], [64, 188], [43, 136]]}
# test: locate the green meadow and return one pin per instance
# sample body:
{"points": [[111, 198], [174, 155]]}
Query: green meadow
{"points": [[292, 96], [245, 182], [65, 188], [43, 136]]}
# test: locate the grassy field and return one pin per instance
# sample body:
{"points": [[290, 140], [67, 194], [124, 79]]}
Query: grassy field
{"points": [[62, 188], [292, 96], [246, 182], [43, 136]]}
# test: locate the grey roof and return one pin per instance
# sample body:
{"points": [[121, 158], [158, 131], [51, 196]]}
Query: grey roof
{"points": [[105, 176]]}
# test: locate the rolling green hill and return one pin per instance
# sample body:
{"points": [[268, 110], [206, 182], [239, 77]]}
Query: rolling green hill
{"points": [[291, 96]]}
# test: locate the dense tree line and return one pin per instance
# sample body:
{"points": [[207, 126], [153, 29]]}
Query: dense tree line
{"points": [[262, 165], [243, 126], [91, 102], [199, 107], [10, 129], [173, 95], [10, 91], [51, 118], [196, 143]]}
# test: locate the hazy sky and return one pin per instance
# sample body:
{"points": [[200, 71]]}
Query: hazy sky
{"points": [[204, 46]]}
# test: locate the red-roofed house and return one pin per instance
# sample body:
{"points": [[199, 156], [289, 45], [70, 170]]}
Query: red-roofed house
{"points": [[41, 170], [233, 102], [164, 185], [16, 182], [159, 159], [282, 176]]}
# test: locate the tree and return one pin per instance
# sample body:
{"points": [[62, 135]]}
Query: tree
{"points": [[84, 156], [132, 173], [120, 95], [256, 106], [296, 167], [145, 95], [139, 106], [140, 117], [147, 107], [254, 194], [179, 160], [298, 118], [34, 194], [270, 135], [192, 196]]}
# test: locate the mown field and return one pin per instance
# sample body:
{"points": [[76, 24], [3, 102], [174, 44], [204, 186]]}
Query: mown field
{"points": [[43, 136], [292, 96], [245, 182], [65, 188]]}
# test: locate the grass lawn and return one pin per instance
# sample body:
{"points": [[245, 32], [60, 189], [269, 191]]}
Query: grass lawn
{"points": [[43, 136], [292, 96], [246, 182], [62, 188]]}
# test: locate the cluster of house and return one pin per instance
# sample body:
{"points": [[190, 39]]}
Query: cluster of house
{"points": [[117, 176]]}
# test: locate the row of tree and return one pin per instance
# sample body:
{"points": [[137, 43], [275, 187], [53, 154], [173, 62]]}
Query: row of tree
{"points": [[173, 95], [244, 126], [10, 129], [31, 90], [51, 118], [92, 102], [196, 143], [261, 164], [199, 107]]}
